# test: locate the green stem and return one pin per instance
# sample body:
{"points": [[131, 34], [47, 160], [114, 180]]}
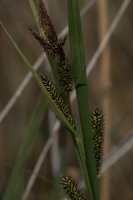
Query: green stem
{"points": [[81, 157], [79, 69]]}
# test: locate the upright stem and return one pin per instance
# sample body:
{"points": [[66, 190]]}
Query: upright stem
{"points": [[105, 86], [79, 69]]}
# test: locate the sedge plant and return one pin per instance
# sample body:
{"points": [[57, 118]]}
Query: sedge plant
{"points": [[88, 139]]}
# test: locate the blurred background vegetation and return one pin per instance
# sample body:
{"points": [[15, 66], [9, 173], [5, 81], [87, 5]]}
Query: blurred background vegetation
{"points": [[110, 87]]}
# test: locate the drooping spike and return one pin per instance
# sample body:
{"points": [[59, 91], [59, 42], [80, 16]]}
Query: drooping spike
{"points": [[71, 188], [55, 95]]}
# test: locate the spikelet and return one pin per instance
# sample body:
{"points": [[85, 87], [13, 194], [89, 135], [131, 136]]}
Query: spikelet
{"points": [[43, 42], [71, 188], [55, 95], [98, 136], [64, 74], [63, 68]]}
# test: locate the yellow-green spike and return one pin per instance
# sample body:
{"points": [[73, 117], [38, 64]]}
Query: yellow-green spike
{"points": [[54, 93], [71, 188], [98, 136]]}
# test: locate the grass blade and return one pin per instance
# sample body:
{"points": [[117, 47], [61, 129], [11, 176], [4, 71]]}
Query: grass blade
{"points": [[14, 180], [79, 69], [36, 15]]}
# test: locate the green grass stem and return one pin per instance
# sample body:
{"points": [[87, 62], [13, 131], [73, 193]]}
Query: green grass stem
{"points": [[79, 69]]}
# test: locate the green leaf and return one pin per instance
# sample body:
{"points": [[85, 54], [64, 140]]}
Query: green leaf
{"points": [[79, 69], [36, 15], [14, 179]]}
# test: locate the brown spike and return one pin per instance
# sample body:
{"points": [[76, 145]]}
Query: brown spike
{"points": [[53, 48], [46, 46], [46, 22]]}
